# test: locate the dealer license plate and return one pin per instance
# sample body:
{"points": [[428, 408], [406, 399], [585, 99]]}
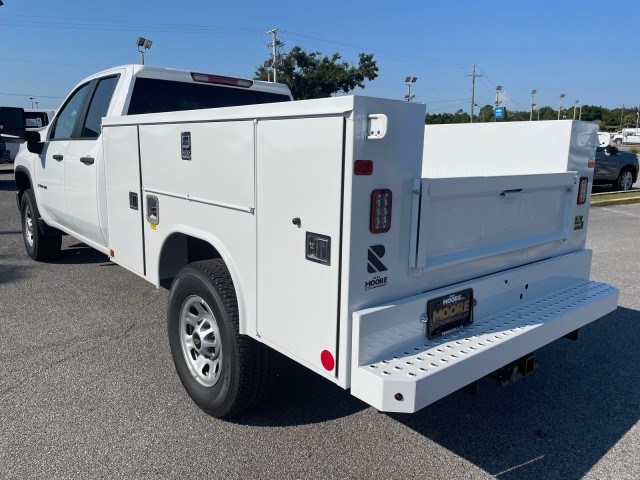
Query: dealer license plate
{"points": [[449, 312]]}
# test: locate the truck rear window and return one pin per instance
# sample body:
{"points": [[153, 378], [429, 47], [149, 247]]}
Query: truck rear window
{"points": [[155, 96]]}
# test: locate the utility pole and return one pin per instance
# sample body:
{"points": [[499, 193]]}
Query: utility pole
{"points": [[37, 105], [31, 98], [575, 105], [274, 52], [621, 115], [473, 88]]}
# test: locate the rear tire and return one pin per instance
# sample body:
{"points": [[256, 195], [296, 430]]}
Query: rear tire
{"points": [[624, 180], [225, 373], [39, 246]]}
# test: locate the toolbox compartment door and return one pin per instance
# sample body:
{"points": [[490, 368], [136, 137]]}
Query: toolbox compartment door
{"points": [[484, 219], [299, 201]]}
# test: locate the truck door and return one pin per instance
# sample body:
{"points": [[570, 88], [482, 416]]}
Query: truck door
{"points": [[50, 171], [82, 163], [299, 194]]}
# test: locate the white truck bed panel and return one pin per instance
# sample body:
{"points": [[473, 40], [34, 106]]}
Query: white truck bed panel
{"points": [[466, 219], [392, 355]]}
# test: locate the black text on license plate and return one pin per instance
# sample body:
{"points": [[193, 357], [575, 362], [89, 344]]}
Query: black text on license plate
{"points": [[449, 312]]}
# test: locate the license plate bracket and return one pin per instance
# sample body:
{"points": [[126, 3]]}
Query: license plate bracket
{"points": [[449, 312]]}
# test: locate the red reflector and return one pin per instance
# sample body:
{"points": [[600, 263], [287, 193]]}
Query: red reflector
{"points": [[327, 360], [380, 217], [583, 190], [221, 80], [363, 167], [592, 163], [112, 253]]}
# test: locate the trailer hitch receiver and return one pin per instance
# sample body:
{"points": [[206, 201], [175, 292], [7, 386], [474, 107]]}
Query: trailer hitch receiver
{"points": [[516, 370]]}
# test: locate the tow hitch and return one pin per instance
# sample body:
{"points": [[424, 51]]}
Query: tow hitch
{"points": [[516, 370]]}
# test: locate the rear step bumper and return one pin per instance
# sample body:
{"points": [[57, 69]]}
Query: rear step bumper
{"points": [[397, 369]]}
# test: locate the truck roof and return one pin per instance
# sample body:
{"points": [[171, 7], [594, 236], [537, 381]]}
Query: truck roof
{"points": [[163, 73]]}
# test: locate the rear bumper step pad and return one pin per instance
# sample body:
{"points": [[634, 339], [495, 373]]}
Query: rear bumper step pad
{"points": [[409, 378]]}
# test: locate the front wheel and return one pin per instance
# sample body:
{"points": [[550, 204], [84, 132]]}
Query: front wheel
{"points": [[225, 373], [624, 181], [39, 246]]}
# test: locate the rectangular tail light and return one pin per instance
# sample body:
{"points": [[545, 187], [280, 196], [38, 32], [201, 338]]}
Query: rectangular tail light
{"points": [[583, 190], [381, 202]]}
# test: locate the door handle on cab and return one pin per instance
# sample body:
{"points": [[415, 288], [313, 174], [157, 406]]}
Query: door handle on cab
{"points": [[58, 157], [87, 160]]}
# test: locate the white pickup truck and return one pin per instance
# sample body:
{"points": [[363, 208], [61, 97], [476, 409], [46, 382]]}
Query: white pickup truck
{"points": [[339, 232]]}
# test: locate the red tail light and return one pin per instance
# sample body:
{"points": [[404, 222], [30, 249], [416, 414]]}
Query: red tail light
{"points": [[221, 80], [380, 220], [363, 167], [583, 190]]}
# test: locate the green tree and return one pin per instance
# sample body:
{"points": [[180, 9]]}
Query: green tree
{"points": [[486, 114], [461, 117], [312, 75]]}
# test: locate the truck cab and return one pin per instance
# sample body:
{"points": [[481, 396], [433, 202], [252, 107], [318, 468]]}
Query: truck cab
{"points": [[67, 171]]}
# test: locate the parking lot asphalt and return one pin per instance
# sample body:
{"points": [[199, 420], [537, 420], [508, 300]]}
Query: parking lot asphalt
{"points": [[88, 390]]}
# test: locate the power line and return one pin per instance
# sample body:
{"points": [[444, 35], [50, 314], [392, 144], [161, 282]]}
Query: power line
{"points": [[448, 106], [382, 53], [118, 22], [28, 95], [52, 63]]}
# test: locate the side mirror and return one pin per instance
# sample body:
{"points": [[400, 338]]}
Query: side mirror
{"points": [[12, 124], [612, 150], [34, 142]]}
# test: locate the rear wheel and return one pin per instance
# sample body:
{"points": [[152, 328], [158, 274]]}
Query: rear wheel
{"points": [[39, 246], [225, 373], [625, 180]]}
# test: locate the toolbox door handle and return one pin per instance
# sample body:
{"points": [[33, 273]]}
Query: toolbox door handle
{"points": [[511, 194]]}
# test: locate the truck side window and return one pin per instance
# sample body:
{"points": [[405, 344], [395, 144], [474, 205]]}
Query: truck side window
{"points": [[66, 120], [99, 106]]}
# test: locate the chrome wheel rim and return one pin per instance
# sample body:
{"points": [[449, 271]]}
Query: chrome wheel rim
{"points": [[200, 341], [626, 181], [28, 226]]}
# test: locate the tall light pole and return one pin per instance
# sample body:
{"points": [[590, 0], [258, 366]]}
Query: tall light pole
{"points": [[621, 115], [37, 105], [409, 81], [562, 95], [575, 105], [31, 98], [533, 103], [143, 44], [498, 102]]}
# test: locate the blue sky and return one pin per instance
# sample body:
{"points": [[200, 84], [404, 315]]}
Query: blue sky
{"points": [[574, 47]]}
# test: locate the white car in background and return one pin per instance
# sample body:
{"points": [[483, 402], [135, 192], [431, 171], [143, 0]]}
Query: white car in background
{"points": [[628, 136]]}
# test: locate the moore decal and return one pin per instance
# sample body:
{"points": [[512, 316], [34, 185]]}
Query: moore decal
{"points": [[451, 299], [375, 282]]}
